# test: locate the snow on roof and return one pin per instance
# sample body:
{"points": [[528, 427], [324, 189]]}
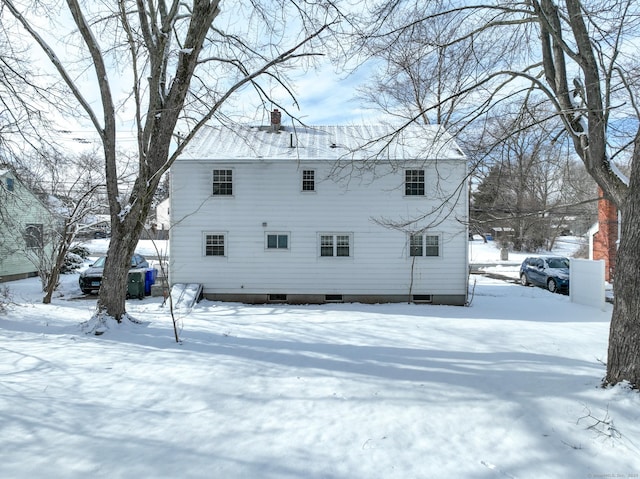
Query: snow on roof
{"points": [[3, 172], [322, 143]]}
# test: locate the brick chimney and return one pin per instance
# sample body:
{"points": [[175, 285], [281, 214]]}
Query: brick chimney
{"points": [[276, 118], [605, 241]]}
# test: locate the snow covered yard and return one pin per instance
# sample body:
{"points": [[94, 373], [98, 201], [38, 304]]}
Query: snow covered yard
{"points": [[508, 387], [505, 388]]}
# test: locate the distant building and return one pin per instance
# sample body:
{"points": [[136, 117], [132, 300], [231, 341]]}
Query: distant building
{"points": [[162, 223], [604, 236]]}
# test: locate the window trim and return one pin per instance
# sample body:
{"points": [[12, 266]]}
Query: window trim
{"points": [[413, 246], [225, 244], [424, 246], [335, 244], [414, 185], [34, 241], [438, 245], [307, 180], [278, 234], [230, 172]]}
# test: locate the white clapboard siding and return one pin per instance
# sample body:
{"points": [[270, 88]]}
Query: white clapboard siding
{"points": [[268, 198]]}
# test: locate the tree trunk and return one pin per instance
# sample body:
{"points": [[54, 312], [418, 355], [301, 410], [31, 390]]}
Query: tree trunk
{"points": [[54, 276], [124, 239], [113, 289], [52, 280], [624, 336]]}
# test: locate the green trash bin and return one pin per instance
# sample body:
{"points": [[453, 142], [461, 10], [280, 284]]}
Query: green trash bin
{"points": [[135, 286]]}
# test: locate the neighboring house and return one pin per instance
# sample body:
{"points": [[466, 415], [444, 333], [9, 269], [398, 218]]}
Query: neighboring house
{"points": [[162, 219], [321, 214], [25, 223], [604, 236]]}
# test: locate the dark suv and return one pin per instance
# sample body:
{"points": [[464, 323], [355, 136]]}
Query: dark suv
{"points": [[91, 278], [551, 272]]}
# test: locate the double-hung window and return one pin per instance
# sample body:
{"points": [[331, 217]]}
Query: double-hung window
{"points": [[424, 245], [222, 182], [215, 244], [277, 241], [414, 183], [416, 247], [308, 180], [338, 245]]}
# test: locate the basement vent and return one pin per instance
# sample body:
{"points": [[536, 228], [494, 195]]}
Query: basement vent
{"points": [[422, 298], [277, 298], [333, 298]]}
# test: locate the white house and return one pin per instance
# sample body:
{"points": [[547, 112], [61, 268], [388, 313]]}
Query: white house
{"points": [[162, 215], [25, 223], [320, 214]]}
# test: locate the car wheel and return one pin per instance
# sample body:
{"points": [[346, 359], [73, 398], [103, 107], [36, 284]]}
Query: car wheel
{"points": [[523, 280], [552, 286]]}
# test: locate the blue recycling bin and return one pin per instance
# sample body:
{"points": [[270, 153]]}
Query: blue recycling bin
{"points": [[149, 278]]}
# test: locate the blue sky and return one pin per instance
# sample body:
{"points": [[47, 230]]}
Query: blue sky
{"points": [[329, 98], [324, 97]]}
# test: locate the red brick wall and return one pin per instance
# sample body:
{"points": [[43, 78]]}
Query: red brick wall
{"points": [[605, 240]]}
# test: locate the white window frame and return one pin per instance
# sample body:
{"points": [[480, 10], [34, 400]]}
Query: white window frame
{"points": [[303, 180], [413, 245], [278, 234], [424, 246], [225, 245], [334, 244], [409, 171], [233, 182]]}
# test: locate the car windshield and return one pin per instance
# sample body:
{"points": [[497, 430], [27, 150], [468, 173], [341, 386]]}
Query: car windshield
{"points": [[558, 263], [99, 262]]}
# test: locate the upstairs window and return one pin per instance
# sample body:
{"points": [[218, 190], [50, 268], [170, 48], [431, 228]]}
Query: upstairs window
{"points": [[424, 245], [308, 180], [338, 245], [414, 183], [222, 182], [214, 244], [10, 184]]}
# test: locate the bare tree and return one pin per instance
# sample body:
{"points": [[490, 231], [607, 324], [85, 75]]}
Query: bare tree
{"points": [[25, 96], [578, 55], [69, 188], [527, 187], [423, 75], [185, 61], [73, 188]]}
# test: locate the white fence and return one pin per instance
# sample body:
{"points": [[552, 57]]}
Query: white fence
{"points": [[586, 282]]}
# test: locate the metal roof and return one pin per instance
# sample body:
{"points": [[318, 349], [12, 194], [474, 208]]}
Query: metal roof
{"points": [[366, 142]]}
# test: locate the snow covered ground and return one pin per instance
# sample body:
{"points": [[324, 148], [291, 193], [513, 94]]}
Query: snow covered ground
{"points": [[506, 388]]}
